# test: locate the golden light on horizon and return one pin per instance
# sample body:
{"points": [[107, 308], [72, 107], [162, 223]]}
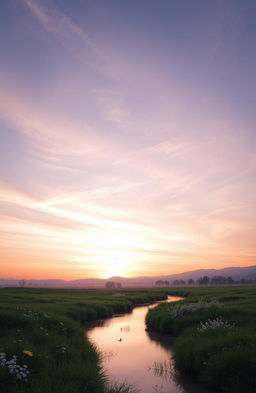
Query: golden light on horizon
{"points": [[114, 267], [113, 252], [120, 159]]}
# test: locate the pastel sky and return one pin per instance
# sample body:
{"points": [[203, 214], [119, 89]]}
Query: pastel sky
{"points": [[127, 137]]}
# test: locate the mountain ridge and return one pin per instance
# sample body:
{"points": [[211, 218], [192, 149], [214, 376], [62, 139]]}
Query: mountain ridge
{"points": [[236, 273]]}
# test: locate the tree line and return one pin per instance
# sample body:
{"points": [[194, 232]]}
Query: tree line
{"points": [[113, 285], [205, 280]]}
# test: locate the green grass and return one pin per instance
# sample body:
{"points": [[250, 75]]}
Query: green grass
{"points": [[223, 358], [44, 329]]}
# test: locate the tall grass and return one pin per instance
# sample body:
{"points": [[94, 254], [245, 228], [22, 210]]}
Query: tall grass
{"points": [[215, 344], [43, 329]]}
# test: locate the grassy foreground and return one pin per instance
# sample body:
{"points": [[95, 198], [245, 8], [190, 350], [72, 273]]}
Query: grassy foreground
{"points": [[43, 347], [216, 335]]}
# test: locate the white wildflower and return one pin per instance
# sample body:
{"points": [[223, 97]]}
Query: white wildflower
{"points": [[214, 324], [180, 309], [21, 372]]}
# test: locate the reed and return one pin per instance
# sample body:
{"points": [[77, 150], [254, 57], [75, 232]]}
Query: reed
{"points": [[43, 347], [215, 330]]}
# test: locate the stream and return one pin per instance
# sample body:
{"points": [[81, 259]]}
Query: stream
{"points": [[143, 359]]}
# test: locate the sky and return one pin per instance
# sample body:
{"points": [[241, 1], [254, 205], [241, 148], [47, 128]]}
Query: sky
{"points": [[127, 137]]}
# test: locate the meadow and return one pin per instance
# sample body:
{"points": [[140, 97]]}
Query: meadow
{"points": [[43, 346], [215, 329]]}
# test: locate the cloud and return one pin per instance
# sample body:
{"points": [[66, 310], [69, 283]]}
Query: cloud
{"points": [[113, 107], [54, 137], [65, 30], [134, 165], [170, 148]]}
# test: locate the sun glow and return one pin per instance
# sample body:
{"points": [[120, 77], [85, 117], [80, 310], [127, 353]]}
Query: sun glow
{"points": [[115, 267], [114, 253]]}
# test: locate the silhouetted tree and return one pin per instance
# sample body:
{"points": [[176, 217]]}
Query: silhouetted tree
{"points": [[221, 280], [113, 285], [162, 283], [191, 281], [22, 283], [230, 280], [204, 280], [218, 280], [179, 282]]}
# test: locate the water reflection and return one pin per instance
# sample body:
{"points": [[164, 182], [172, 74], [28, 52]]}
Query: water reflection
{"points": [[164, 369], [126, 329], [162, 340], [143, 359], [107, 355]]}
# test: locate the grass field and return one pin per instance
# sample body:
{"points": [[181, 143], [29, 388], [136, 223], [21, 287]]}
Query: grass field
{"points": [[216, 335], [43, 348]]}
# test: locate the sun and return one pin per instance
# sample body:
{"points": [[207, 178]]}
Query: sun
{"points": [[113, 252], [113, 263], [115, 266]]}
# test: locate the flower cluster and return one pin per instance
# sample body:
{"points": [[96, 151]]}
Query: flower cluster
{"points": [[21, 372], [62, 349], [63, 329], [180, 309], [214, 324], [30, 314], [29, 353]]}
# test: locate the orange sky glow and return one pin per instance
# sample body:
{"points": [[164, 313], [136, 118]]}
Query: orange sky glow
{"points": [[127, 145]]}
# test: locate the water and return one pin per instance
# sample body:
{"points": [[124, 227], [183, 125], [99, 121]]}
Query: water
{"points": [[141, 358]]}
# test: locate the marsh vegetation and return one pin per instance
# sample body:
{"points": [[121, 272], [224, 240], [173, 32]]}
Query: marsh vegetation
{"points": [[216, 340], [43, 346], [130, 353]]}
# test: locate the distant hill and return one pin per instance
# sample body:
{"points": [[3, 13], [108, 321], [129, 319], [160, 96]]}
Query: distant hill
{"points": [[236, 273]]}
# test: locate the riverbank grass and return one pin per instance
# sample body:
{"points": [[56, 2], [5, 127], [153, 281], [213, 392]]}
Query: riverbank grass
{"points": [[43, 347], [216, 341]]}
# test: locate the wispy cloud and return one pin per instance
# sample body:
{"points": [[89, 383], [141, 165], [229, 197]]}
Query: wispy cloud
{"points": [[64, 29], [55, 137], [124, 156]]}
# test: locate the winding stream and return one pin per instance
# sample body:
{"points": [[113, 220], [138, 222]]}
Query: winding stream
{"points": [[141, 358]]}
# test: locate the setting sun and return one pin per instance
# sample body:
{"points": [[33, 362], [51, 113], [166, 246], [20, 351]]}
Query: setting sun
{"points": [[115, 267], [112, 252], [120, 149], [127, 177]]}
